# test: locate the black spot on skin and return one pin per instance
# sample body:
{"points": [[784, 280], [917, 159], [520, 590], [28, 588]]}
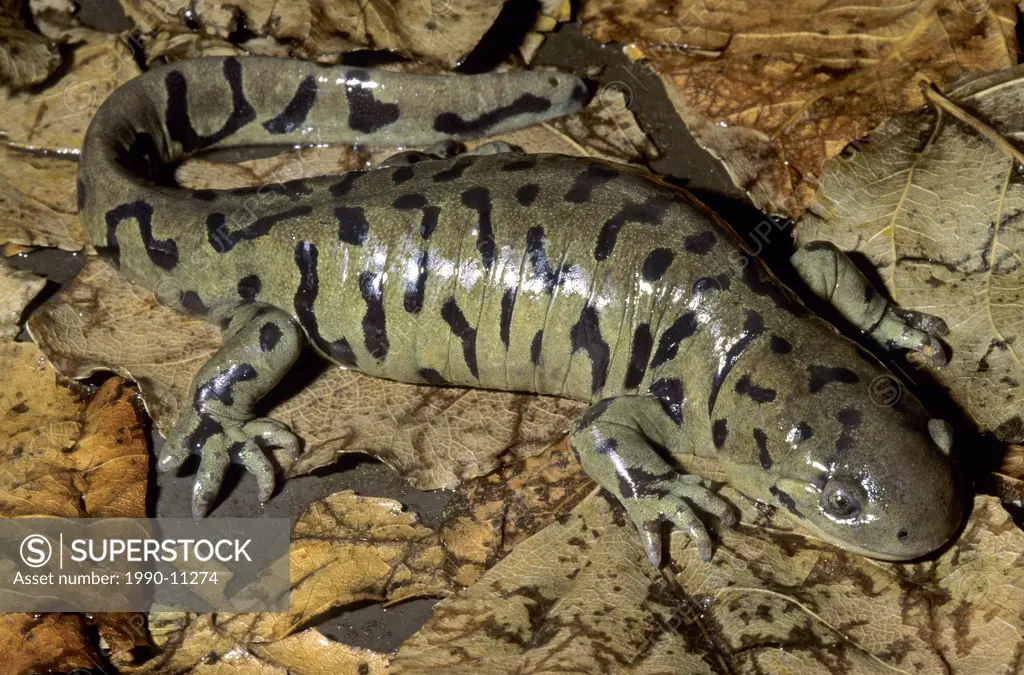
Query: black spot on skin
{"points": [[162, 253], [143, 158], [780, 345], [293, 189], [650, 212], [802, 431], [745, 387], [80, 194], [429, 222], [657, 263], [479, 199], [669, 392], [365, 112], [270, 335], [586, 335], [753, 327], [524, 164], [204, 195], [415, 289], [607, 446], [536, 253], [869, 293], [823, 375], [20, 409], [431, 376], [219, 386], [410, 201], [700, 243], [249, 287], [191, 301], [719, 432], [527, 194], [761, 438], [375, 332], [352, 225], [593, 413], [223, 241], [294, 114], [179, 126], [402, 174], [850, 419], [535, 347], [456, 320], [682, 328], [452, 124], [758, 281], [344, 186], [785, 500], [339, 350], [454, 172], [581, 93], [508, 303], [204, 431], [594, 176], [639, 355]]}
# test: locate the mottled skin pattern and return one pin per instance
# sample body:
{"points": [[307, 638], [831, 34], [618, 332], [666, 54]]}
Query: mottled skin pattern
{"points": [[549, 274]]}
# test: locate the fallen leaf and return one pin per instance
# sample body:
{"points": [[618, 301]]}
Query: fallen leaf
{"points": [[774, 90], [935, 207], [347, 548], [55, 119], [38, 201], [26, 57], [579, 596], [17, 288], [488, 516], [63, 458], [213, 644], [441, 31], [45, 643]]}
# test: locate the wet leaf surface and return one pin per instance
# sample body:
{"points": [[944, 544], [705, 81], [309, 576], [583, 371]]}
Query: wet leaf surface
{"points": [[38, 201], [17, 288], [936, 209], [214, 644], [26, 58], [46, 643], [441, 31], [775, 90], [55, 118], [579, 596]]}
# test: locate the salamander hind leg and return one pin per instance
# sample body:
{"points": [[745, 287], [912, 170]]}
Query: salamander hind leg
{"points": [[260, 344], [833, 277], [613, 448]]}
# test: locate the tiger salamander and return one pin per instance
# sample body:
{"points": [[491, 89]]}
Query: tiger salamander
{"points": [[551, 274]]}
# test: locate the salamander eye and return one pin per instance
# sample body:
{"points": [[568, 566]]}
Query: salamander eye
{"points": [[841, 500]]}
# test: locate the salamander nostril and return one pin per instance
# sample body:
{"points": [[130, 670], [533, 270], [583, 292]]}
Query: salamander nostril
{"points": [[902, 534]]}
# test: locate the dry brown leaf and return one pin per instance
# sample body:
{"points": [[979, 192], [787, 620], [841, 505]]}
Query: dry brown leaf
{"points": [[209, 644], [774, 90], [61, 460], [56, 118], [26, 58], [176, 42], [38, 201], [17, 288], [102, 322], [490, 515], [442, 31], [937, 209], [45, 643], [579, 596], [346, 548]]}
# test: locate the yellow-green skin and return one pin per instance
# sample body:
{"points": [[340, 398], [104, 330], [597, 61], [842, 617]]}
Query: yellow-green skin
{"points": [[549, 274]]}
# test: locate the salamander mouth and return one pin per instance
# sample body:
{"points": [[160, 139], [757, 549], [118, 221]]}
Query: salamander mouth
{"points": [[818, 533]]}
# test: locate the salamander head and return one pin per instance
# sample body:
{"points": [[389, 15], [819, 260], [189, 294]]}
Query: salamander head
{"points": [[868, 472]]}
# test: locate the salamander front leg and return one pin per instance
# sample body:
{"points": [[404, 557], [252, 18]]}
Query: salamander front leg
{"points": [[833, 277], [260, 344], [617, 454]]}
